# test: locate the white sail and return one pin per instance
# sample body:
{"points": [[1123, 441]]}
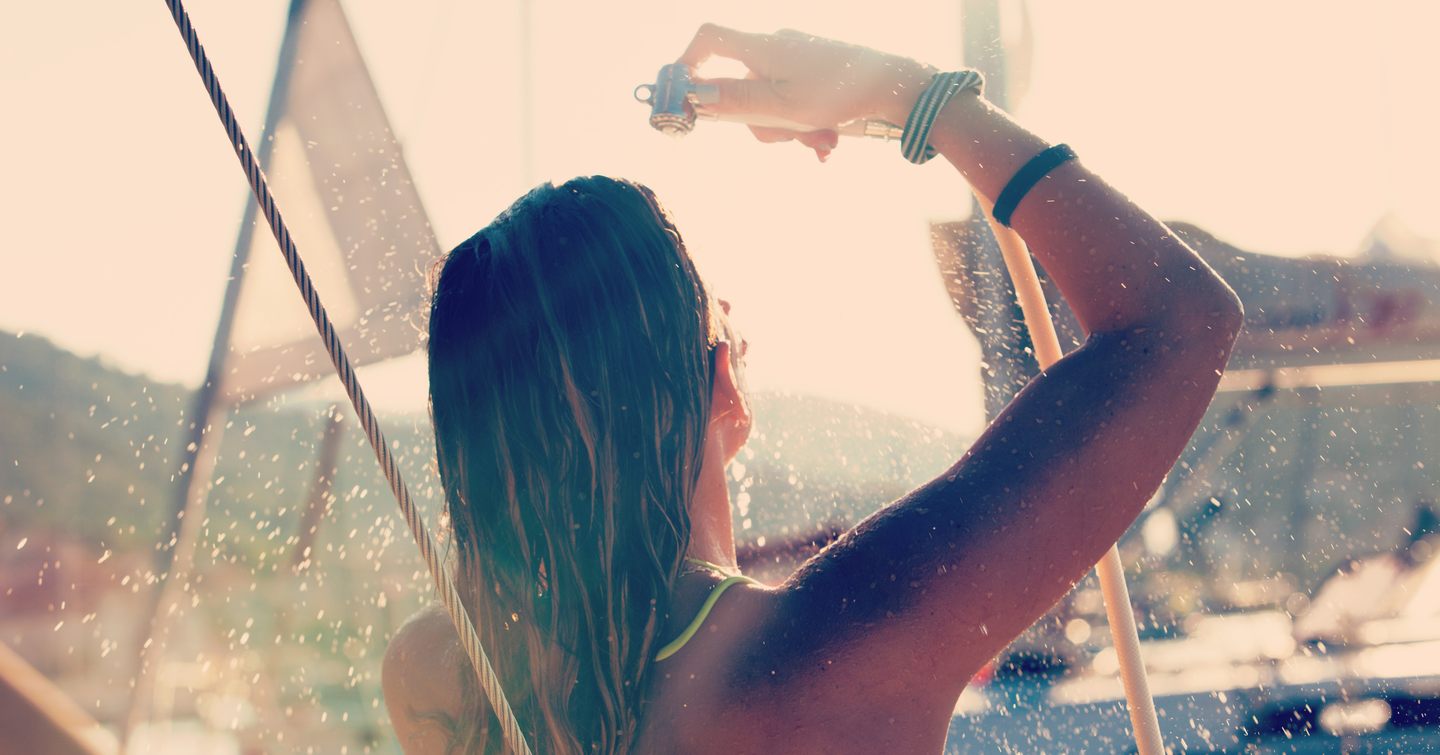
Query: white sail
{"points": [[340, 179]]}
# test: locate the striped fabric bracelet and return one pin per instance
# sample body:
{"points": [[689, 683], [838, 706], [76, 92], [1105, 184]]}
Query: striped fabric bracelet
{"points": [[915, 142]]}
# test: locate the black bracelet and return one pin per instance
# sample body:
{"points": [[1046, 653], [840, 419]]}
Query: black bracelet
{"points": [[1025, 179]]}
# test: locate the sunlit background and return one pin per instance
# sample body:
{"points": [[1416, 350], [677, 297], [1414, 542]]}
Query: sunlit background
{"points": [[1282, 127], [1288, 128]]}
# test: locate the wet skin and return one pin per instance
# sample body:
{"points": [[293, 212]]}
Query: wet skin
{"points": [[867, 647]]}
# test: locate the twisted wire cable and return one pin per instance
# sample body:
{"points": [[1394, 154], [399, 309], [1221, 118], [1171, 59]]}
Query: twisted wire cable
{"points": [[514, 739]]}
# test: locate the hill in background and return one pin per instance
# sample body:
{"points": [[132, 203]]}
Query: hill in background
{"points": [[84, 443]]}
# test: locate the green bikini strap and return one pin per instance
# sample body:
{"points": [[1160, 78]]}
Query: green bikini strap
{"points": [[708, 565], [674, 645]]}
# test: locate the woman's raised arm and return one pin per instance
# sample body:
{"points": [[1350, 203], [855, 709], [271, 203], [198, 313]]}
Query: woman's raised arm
{"points": [[913, 600]]}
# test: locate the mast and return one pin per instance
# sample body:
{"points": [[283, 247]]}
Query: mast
{"points": [[197, 460]]}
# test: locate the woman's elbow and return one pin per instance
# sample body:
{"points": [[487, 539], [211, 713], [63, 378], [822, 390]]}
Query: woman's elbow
{"points": [[1194, 333], [1225, 316], [1208, 316]]}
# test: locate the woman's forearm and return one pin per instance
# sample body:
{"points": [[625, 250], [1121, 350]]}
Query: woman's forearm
{"points": [[1118, 267]]}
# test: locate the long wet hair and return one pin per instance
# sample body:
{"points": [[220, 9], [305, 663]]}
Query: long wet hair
{"points": [[570, 359]]}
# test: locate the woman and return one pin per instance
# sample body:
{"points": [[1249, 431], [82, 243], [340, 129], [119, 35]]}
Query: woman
{"points": [[586, 400]]}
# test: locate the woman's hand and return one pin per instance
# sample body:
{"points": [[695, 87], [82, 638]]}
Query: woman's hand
{"points": [[806, 79]]}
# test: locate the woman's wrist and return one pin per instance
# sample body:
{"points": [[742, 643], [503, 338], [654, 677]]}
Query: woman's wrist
{"points": [[906, 80], [983, 143]]}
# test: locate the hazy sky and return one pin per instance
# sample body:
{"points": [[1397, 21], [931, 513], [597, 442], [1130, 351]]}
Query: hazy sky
{"points": [[1287, 127]]}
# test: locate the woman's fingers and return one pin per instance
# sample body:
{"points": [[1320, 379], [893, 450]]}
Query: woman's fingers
{"points": [[713, 39], [822, 141], [772, 135], [765, 96], [749, 96]]}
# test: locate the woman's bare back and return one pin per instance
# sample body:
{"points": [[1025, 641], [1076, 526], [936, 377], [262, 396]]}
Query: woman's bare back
{"points": [[721, 694]]}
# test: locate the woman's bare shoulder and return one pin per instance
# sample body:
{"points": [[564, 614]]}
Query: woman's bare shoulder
{"points": [[421, 677]]}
